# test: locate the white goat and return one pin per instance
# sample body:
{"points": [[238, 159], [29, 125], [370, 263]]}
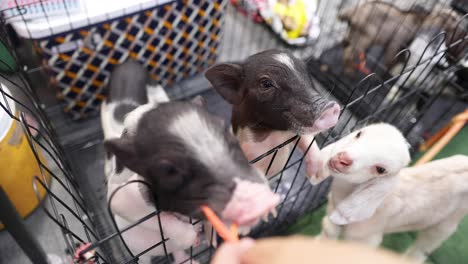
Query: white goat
{"points": [[373, 194]]}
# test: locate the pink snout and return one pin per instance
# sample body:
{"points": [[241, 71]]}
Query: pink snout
{"points": [[250, 203], [340, 162], [329, 117]]}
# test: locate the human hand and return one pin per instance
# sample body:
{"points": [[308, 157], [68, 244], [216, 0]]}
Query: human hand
{"points": [[231, 253]]}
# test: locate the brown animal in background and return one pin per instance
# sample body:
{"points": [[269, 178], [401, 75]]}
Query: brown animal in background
{"points": [[381, 23]]}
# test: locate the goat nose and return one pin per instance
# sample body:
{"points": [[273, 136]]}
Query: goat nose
{"points": [[344, 159]]}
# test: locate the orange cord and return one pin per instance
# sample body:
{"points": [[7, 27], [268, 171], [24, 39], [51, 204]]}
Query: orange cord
{"points": [[229, 235], [443, 137], [432, 140]]}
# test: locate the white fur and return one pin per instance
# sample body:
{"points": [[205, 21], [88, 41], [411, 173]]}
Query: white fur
{"points": [[128, 203], [156, 94], [132, 118], [285, 59], [431, 198], [129, 206], [207, 143], [112, 128]]}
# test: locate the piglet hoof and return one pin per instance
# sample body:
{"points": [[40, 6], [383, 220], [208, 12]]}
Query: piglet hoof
{"points": [[314, 170], [314, 165], [198, 227], [315, 180]]}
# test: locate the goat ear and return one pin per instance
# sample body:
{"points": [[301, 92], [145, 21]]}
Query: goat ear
{"points": [[124, 151], [226, 78], [362, 203]]}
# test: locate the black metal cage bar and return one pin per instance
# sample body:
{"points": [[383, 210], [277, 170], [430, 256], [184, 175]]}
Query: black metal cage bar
{"points": [[416, 93]]}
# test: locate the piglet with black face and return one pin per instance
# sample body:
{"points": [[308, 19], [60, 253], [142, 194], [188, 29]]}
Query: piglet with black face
{"points": [[190, 159], [186, 158], [273, 99]]}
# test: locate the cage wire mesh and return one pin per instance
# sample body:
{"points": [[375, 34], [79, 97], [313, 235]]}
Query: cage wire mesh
{"points": [[21, 103], [417, 88]]}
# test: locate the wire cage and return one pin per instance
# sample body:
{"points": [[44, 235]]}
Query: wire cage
{"points": [[417, 87]]}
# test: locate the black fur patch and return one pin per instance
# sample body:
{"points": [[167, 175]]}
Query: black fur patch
{"points": [[268, 94], [179, 178]]}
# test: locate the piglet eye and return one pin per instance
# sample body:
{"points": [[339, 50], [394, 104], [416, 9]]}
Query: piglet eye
{"points": [[267, 83], [380, 170], [358, 135], [167, 168], [167, 175]]}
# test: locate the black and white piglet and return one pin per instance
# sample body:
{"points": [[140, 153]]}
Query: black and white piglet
{"points": [[273, 99], [184, 154]]}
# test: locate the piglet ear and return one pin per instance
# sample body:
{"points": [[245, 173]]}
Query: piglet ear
{"points": [[362, 203], [199, 100], [124, 151], [226, 78]]}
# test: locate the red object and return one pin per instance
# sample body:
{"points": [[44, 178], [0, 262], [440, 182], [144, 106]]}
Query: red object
{"points": [[88, 257], [250, 9], [361, 66]]}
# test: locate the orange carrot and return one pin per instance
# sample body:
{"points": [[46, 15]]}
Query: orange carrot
{"points": [[226, 234]]}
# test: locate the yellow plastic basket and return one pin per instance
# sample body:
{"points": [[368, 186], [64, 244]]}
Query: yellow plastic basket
{"points": [[18, 165]]}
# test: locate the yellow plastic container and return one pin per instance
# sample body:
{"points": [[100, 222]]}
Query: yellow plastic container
{"points": [[18, 165]]}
